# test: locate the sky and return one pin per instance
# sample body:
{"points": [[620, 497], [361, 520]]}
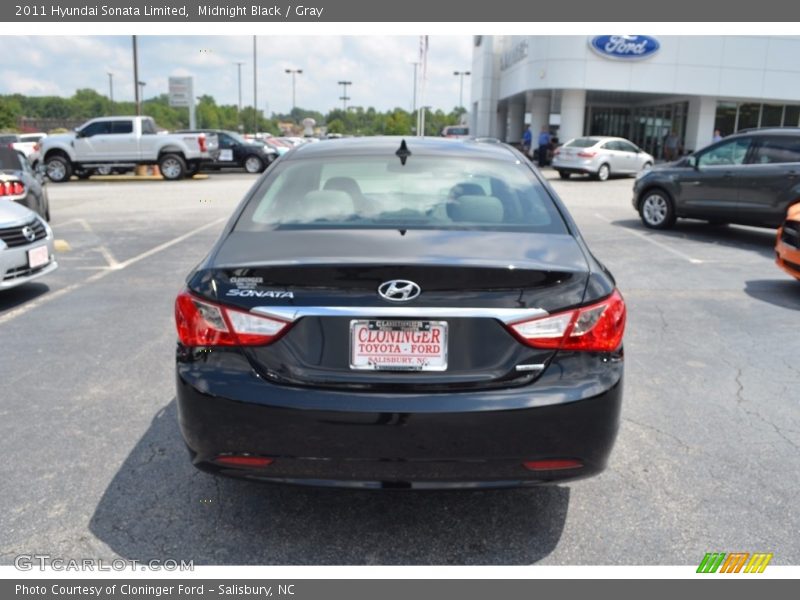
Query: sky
{"points": [[379, 67]]}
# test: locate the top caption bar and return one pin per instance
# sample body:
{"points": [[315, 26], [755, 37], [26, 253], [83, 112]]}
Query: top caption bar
{"points": [[331, 11]]}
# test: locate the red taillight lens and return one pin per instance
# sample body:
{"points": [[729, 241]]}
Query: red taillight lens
{"points": [[203, 323], [244, 460], [557, 151], [11, 188], [201, 141], [595, 328], [36, 147], [587, 154], [553, 464]]}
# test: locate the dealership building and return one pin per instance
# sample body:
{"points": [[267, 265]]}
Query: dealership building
{"points": [[637, 87]]}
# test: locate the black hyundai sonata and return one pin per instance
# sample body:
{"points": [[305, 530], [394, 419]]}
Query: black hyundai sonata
{"points": [[390, 313]]}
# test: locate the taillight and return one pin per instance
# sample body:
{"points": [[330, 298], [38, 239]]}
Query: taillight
{"points": [[204, 323], [11, 188], [557, 151], [36, 147], [587, 154], [201, 141], [598, 327]]}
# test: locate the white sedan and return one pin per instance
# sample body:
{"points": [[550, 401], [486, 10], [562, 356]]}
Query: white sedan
{"points": [[600, 157]]}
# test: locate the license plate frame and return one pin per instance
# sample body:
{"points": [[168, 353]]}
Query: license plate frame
{"points": [[38, 257], [411, 356]]}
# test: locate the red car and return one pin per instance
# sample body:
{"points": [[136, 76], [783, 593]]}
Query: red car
{"points": [[787, 244]]}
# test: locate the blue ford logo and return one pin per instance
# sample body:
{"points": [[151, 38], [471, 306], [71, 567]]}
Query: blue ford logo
{"points": [[630, 47]]}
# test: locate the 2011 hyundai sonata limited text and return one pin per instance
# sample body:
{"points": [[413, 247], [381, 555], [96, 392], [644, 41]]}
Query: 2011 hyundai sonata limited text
{"points": [[393, 313]]}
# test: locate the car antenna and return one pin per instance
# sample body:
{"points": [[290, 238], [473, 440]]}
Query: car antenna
{"points": [[403, 152]]}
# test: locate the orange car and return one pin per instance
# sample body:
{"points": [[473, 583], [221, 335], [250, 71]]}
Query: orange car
{"points": [[787, 245]]}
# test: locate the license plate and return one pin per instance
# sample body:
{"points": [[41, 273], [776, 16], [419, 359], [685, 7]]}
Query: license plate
{"points": [[38, 257], [394, 345]]}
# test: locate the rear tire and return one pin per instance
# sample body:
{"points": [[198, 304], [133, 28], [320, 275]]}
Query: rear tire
{"points": [[172, 167], [58, 169], [253, 164], [603, 172], [564, 174], [657, 210]]}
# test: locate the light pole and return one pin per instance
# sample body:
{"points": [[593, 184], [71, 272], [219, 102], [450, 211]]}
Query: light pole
{"points": [[414, 96], [136, 77], [239, 65], [111, 90], [140, 85], [293, 73], [255, 91], [460, 75], [344, 97]]}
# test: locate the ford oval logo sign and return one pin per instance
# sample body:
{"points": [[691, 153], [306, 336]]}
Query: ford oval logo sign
{"points": [[625, 47]]}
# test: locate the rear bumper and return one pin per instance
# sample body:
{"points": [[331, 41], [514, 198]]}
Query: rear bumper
{"points": [[588, 166], [372, 440]]}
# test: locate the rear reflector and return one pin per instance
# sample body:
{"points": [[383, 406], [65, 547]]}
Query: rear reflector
{"points": [[203, 323], [244, 460], [553, 464], [598, 327], [201, 141]]}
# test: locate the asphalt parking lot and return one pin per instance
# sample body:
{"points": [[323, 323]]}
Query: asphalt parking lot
{"points": [[93, 464]]}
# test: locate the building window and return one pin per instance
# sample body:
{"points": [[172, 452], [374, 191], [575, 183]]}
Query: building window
{"points": [[791, 116], [725, 120], [732, 117], [748, 116], [771, 115]]}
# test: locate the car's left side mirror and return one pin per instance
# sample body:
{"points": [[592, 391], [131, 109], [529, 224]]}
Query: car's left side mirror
{"points": [[691, 161]]}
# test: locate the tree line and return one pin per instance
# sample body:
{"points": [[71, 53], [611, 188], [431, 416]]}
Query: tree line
{"points": [[87, 104]]}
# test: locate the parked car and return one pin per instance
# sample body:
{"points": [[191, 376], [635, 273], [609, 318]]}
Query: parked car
{"points": [[21, 184], [27, 143], [460, 132], [277, 145], [600, 157], [124, 142], [236, 152], [381, 312], [26, 245], [749, 178], [787, 244]]}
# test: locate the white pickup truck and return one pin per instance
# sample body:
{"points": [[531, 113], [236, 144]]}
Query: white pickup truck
{"points": [[122, 143]]}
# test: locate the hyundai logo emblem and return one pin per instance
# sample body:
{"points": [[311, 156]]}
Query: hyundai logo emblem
{"points": [[29, 233], [398, 290]]}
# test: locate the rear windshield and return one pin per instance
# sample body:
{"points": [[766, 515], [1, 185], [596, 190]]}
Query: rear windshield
{"points": [[456, 131], [10, 160], [581, 143], [381, 193]]}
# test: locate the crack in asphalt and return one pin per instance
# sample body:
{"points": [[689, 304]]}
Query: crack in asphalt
{"points": [[741, 403], [660, 431]]}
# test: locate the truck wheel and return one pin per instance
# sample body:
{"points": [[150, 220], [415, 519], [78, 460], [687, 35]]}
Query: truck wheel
{"points": [[58, 169], [253, 164], [172, 167]]}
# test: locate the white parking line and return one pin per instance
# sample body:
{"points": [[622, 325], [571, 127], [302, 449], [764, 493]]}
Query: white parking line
{"points": [[17, 312], [648, 238]]}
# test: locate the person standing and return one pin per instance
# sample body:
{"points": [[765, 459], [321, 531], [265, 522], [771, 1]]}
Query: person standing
{"points": [[544, 145], [717, 136], [527, 139], [672, 147]]}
